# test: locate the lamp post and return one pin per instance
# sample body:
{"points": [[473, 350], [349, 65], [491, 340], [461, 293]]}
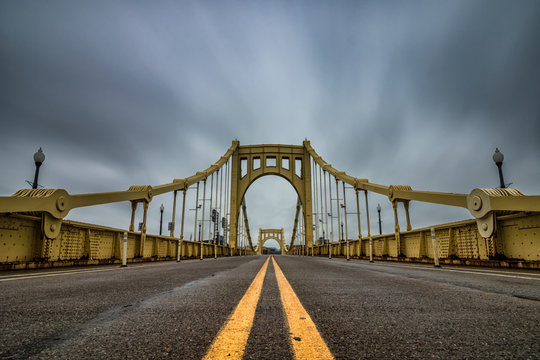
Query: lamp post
{"points": [[322, 227], [200, 240], [161, 208], [498, 157], [379, 211], [39, 157]]}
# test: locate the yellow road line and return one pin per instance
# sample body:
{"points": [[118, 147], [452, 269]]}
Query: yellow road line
{"points": [[231, 340], [306, 341]]}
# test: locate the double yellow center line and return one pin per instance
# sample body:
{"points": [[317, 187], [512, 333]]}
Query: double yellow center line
{"points": [[306, 341]]}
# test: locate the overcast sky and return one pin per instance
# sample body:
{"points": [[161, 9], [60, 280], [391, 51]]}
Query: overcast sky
{"points": [[142, 92]]}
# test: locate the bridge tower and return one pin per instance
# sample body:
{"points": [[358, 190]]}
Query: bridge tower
{"points": [[291, 162]]}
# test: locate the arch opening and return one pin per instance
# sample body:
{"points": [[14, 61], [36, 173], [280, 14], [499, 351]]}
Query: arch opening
{"points": [[271, 246], [271, 204]]}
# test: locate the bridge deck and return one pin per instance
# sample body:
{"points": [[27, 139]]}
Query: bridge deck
{"points": [[361, 310]]}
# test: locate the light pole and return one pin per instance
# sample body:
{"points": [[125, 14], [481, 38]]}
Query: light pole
{"points": [[161, 208], [379, 211], [322, 227], [39, 157], [200, 240], [331, 237], [498, 157]]}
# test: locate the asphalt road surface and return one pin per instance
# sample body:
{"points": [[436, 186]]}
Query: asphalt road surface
{"points": [[354, 310]]}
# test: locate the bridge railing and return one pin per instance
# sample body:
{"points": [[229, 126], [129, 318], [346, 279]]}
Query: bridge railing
{"points": [[457, 243], [22, 245]]}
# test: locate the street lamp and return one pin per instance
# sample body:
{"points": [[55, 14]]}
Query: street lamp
{"points": [[39, 157], [379, 211], [161, 208], [322, 227], [498, 157]]}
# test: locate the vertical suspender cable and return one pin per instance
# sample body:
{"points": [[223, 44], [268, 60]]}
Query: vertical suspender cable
{"points": [[201, 234], [326, 215], [321, 210], [358, 221], [216, 218], [331, 215], [345, 216], [340, 235], [179, 251], [220, 223], [316, 217], [369, 230], [196, 211], [227, 207], [210, 208]]}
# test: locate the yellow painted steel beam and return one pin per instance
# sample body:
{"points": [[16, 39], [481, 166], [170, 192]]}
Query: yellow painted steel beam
{"points": [[246, 223], [58, 203], [295, 226]]}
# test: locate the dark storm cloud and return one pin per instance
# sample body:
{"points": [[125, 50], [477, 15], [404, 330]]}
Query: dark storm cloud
{"points": [[417, 93]]}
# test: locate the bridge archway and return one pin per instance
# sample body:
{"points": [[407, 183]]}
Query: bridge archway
{"points": [[267, 234], [250, 162]]}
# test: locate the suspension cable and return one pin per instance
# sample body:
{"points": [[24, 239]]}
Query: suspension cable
{"points": [[227, 206], [196, 211], [220, 224], [210, 208], [331, 209], [316, 202], [340, 237], [179, 251], [358, 216], [201, 235], [326, 215], [345, 216]]}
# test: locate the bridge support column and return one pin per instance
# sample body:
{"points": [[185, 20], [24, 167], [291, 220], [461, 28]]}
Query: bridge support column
{"points": [[143, 230], [133, 209], [307, 206], [259, 244], [234, 201], [271, 160], [282, 243], [406, 206]]}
